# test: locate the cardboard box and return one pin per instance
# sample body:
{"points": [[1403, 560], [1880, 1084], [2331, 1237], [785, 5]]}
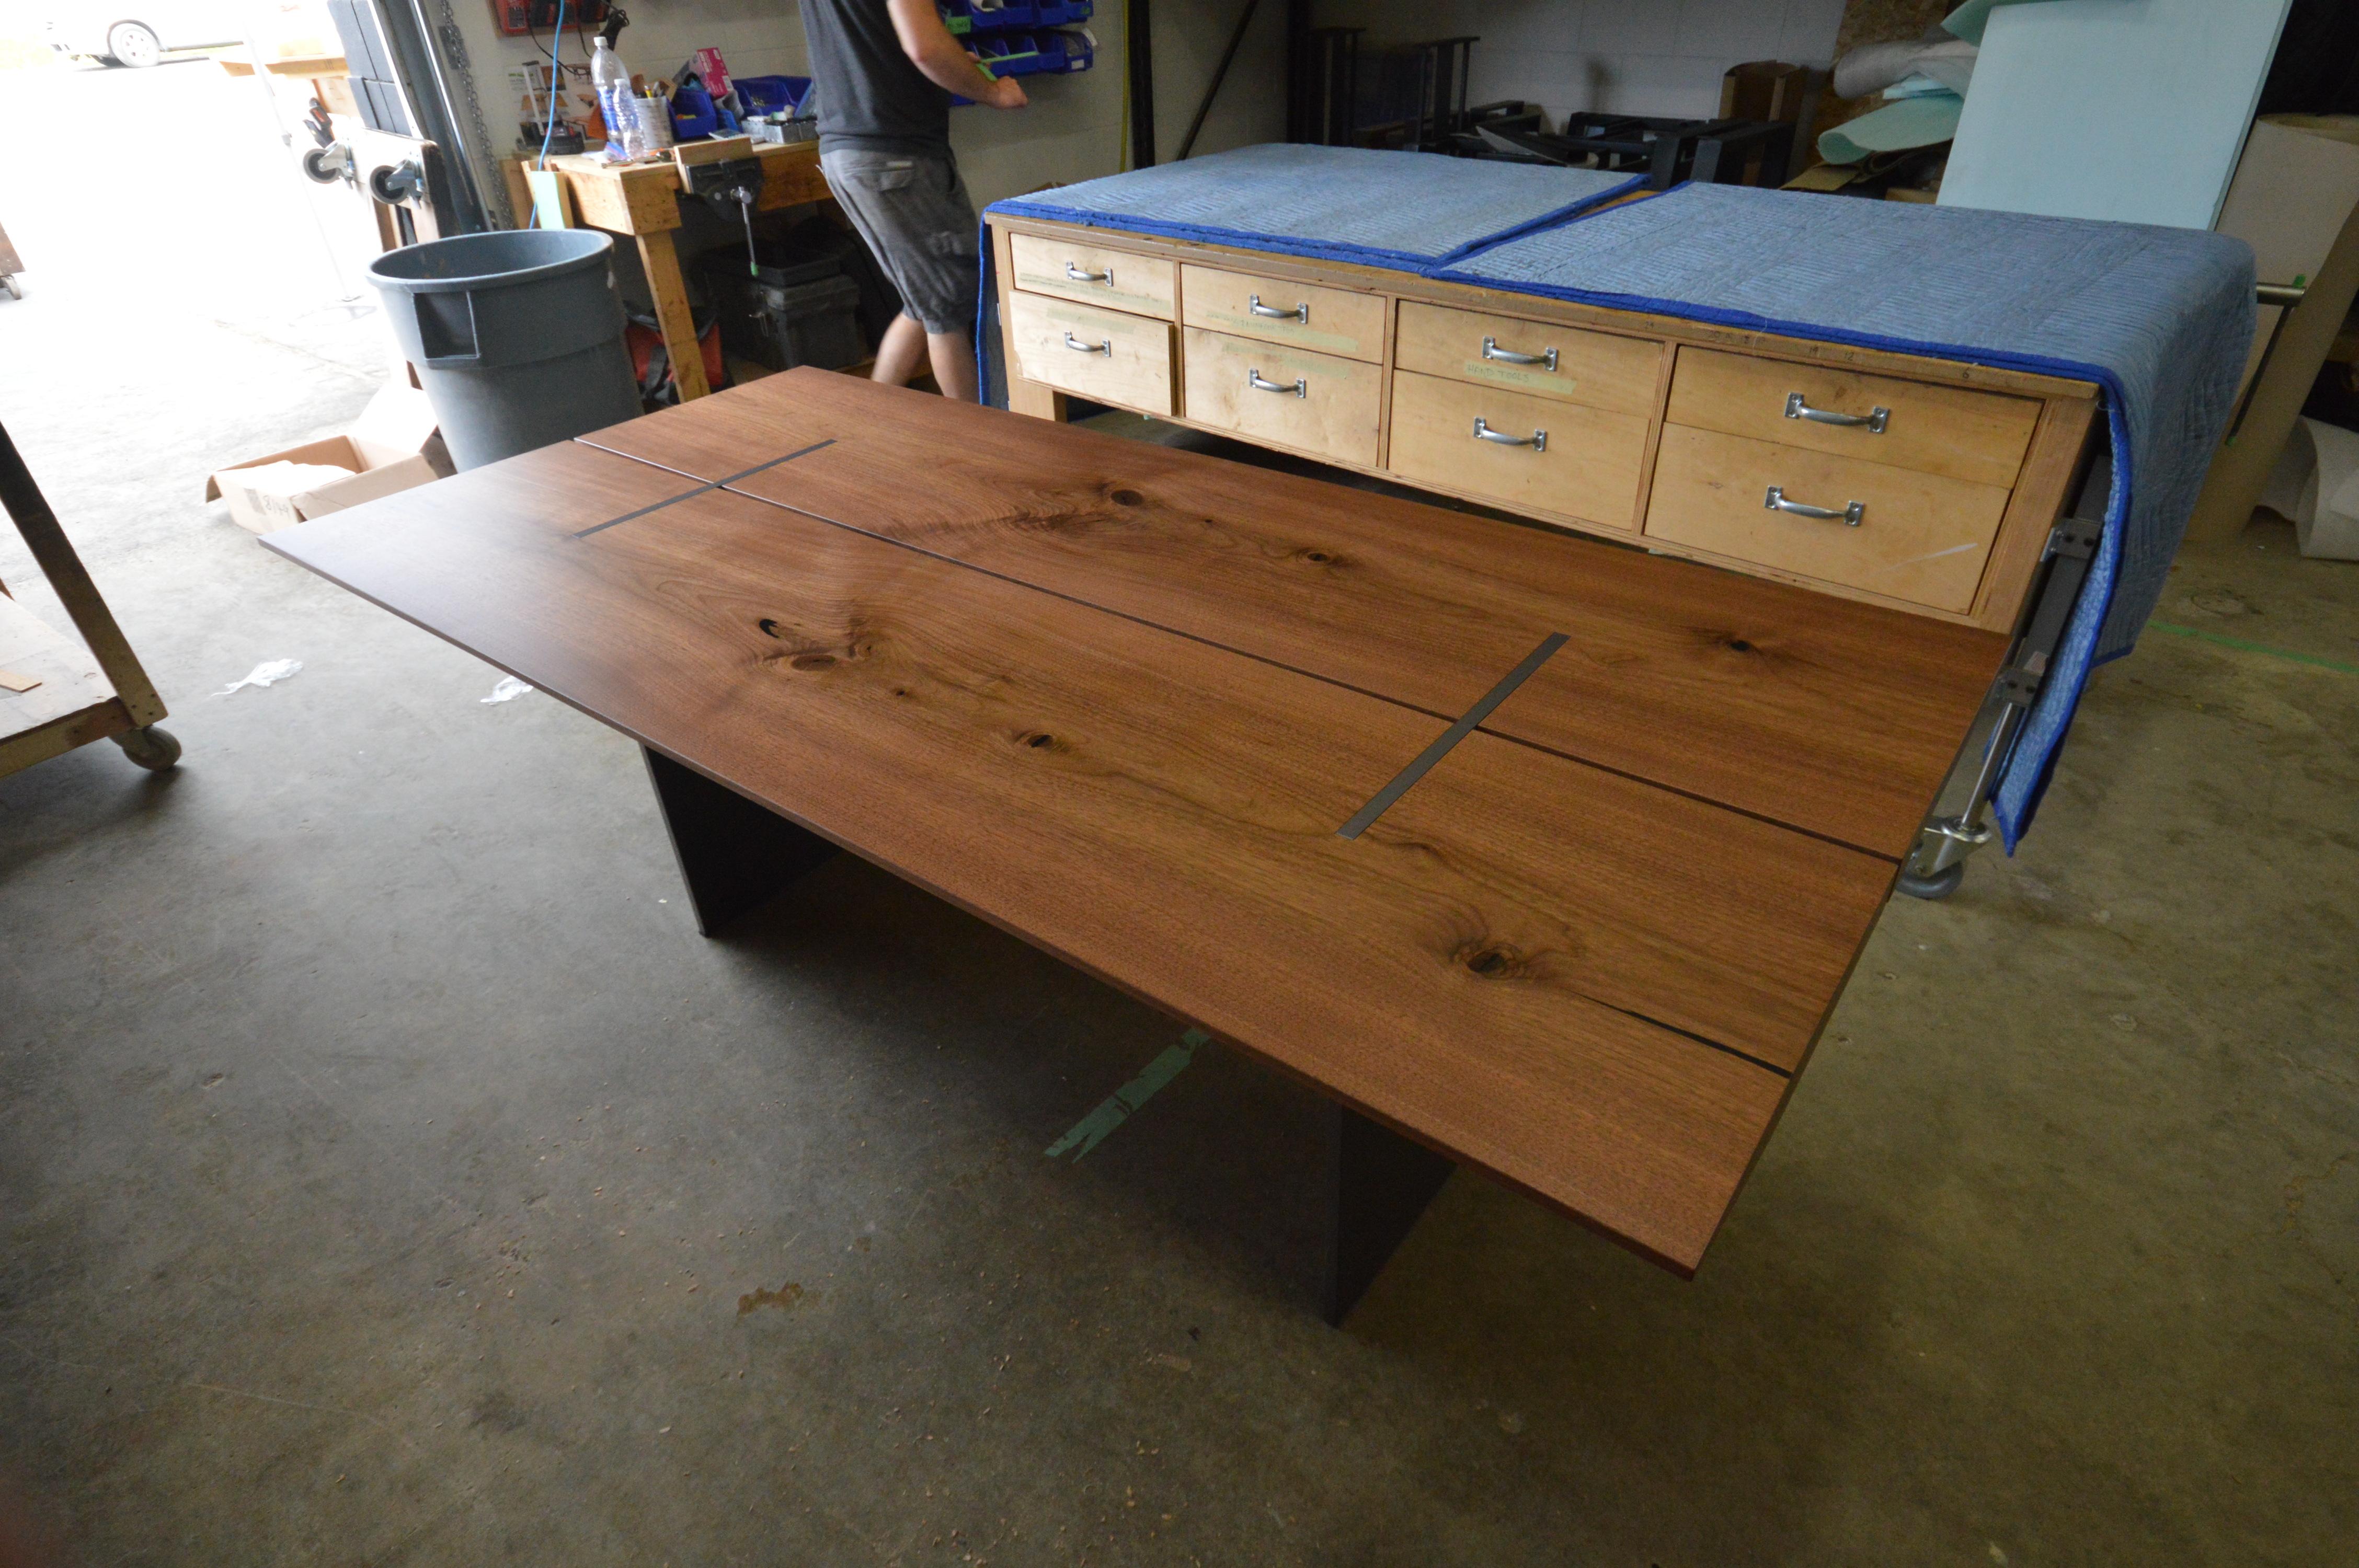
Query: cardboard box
{"points": [[2295, 186], [393, 446], [2296, 200]]}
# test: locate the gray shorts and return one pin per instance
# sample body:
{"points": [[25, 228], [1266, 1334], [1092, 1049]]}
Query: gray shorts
{"points": [[913, 210]]}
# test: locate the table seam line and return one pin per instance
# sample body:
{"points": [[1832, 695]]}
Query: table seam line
{"points": [[705, 488], [1514, 740], [1465, 724]]}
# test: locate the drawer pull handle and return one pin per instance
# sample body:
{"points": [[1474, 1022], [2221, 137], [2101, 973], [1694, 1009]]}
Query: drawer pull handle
{"points": [[1254, 380], [1102, 346], [1775, 502], [1797, 409], [1536, 440], [1077, 275], [1491, 351], [1301, 312]]}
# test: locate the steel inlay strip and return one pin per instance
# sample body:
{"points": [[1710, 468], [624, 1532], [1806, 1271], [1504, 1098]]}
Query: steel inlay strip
{"points": [[699, 489], [1381, 802]]}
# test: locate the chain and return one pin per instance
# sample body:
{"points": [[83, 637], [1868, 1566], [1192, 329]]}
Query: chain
{"points": [[455, 52]]}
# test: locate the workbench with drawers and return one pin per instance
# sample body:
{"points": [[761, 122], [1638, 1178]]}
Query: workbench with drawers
{"points": [[1926, 484]]}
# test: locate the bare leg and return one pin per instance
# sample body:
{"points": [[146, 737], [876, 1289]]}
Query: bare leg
{"points": [[903, 350], [953, 358]]}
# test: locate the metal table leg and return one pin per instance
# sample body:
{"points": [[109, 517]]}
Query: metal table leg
{"points": [[1957, 826], [733, 855]]}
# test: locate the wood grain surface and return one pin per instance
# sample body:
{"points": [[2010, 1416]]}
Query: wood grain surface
{"points": [[64, 676], [1596, 369], [1921, 537], [1338, 413], [1094, 276], [1325, 320], [1588, 470], [1836, 718], [1122, 359], [1485, 968], [1979, 437]]}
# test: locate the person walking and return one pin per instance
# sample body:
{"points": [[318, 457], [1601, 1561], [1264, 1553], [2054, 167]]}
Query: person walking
{"points": [[886, 70]]}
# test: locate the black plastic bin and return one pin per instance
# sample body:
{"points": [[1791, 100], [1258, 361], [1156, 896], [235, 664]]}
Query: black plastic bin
{"points": [[516, 334], [796, 309]]}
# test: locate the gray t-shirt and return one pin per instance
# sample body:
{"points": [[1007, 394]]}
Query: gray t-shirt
{"points": [[870, 95]]}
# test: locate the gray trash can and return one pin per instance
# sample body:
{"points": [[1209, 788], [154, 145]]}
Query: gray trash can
{"points": [[517, 336]]}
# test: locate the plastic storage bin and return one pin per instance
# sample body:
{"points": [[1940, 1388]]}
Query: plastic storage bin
{"points": [[780, 266], [1008, 54], [814, 320], [771, 94], [1003, 14], [1064, 49]]}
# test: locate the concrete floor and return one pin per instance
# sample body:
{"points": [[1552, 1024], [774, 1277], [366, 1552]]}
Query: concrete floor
{"points": [[389, 1173]]}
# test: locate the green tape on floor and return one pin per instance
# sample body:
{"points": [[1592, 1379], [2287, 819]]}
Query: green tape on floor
{"points": [[2242, 646], [1090, 1130]]}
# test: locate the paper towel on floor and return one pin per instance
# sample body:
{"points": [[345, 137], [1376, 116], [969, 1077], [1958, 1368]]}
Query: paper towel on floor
{"points": [[2316, 483]]}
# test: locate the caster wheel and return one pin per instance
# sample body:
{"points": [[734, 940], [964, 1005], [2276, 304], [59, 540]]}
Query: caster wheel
{"points": [[134, 44], [151, 748], [1940, 884]]}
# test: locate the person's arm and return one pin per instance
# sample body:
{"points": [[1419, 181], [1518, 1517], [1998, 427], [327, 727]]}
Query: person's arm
{"points": [[944, 62]]}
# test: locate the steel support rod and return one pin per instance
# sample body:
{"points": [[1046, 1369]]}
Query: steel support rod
{"points": [[1219, 74]]}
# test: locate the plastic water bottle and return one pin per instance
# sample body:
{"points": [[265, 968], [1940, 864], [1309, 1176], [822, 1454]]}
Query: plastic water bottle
{"points": [[611, 78]]}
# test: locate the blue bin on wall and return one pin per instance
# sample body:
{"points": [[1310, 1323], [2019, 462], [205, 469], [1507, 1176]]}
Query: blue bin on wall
{"points": [[1008, 16], [771, 94], [1008, 54], [1062, 49]]}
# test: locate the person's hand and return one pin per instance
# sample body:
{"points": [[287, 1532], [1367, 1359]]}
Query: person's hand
{"points": [[1007, 93]]}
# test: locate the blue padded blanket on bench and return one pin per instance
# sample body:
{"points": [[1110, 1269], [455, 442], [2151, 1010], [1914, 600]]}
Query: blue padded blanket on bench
{"points": [[2160, 319], [1406, 211]]}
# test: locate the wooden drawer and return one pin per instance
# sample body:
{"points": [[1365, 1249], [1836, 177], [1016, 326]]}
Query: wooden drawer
{"points": [[1588, 470], [1334, 416], [1091, 274], [1975, 436], [1327, 320], [1594, 368], [1921, 537], [1107, 355]]}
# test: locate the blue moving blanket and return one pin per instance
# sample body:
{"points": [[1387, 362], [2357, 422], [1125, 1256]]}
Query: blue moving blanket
{"points": [[1405, 210], [2159, 318]]}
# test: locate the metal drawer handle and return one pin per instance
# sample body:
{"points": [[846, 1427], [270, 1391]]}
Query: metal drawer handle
{"points": [[1491, 351], [1536, 440], [1077, 275], [1102, 346], [1775, 502], [1254, 380], [1797, 409], [1300, 313]]}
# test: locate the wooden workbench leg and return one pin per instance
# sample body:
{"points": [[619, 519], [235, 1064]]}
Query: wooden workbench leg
{"points": [[733, 855], [664, 281], [1031, 397], [1023, 397], [1378, 1182], [46, 541]]}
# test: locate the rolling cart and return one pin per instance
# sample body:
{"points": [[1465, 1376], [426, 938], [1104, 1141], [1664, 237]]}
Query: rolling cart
{"points": [[56, 694]]}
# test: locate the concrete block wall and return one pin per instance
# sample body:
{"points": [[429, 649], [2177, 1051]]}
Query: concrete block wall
{"points": [[1632, 56], [1073, 131]]}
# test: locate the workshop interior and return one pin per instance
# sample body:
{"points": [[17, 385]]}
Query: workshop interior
{"points": [[1179, 782]]}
